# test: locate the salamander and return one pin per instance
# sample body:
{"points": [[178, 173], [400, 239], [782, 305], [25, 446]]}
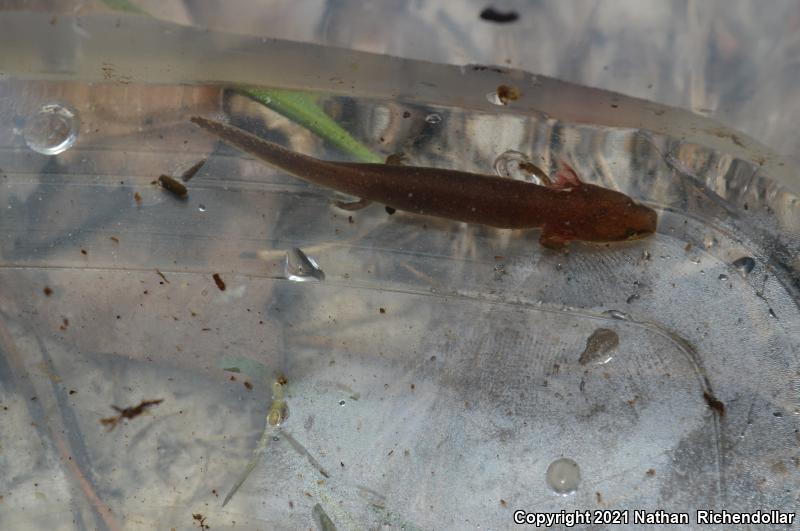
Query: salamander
{"points": [[566, 209]]}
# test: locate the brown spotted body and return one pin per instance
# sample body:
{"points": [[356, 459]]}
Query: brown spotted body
{"points": [[567, 210]]}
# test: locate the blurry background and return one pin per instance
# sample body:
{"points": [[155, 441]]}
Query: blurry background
{"points": [[734, 60]]}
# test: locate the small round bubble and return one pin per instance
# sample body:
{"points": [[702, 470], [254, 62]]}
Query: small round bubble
{"points": [[563, 476], [52, 129]]}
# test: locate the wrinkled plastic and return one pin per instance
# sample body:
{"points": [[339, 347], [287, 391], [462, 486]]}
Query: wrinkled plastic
{"points": [[435, 370]]}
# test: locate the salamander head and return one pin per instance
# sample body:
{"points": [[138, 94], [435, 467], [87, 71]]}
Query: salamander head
{"points": [[627, 220], [600, 215]]}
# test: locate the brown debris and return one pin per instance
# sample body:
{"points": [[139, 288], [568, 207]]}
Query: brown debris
{"points": [[173, 186], [714, 403], [200, 520], [128, 413], [191, 172], [506, 93]]}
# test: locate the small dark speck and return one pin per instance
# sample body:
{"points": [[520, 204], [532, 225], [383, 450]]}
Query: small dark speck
{"points": [[72, 391], [248, 385], [490, 14], [413, 387], [614, 106], [48, 290], [651, 472], [84, 252], [406, 114], [218, 281], [777, 414], [382, 310], [390, 210]]}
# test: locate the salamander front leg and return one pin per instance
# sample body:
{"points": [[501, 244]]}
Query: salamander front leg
{"points": [[552, 240], [352, 206]]}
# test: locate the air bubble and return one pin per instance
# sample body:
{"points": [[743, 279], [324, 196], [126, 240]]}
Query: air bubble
{"points": [[618, 315], [278, 413], [433, 118], [515, 165], [563, 476], [599, 346], [494, 99], [53, 129], [299, 267]]}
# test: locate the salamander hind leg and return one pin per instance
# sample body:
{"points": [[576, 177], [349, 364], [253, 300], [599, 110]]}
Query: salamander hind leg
{"points": [[396, 159], [566, 177], [352, 206]]}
